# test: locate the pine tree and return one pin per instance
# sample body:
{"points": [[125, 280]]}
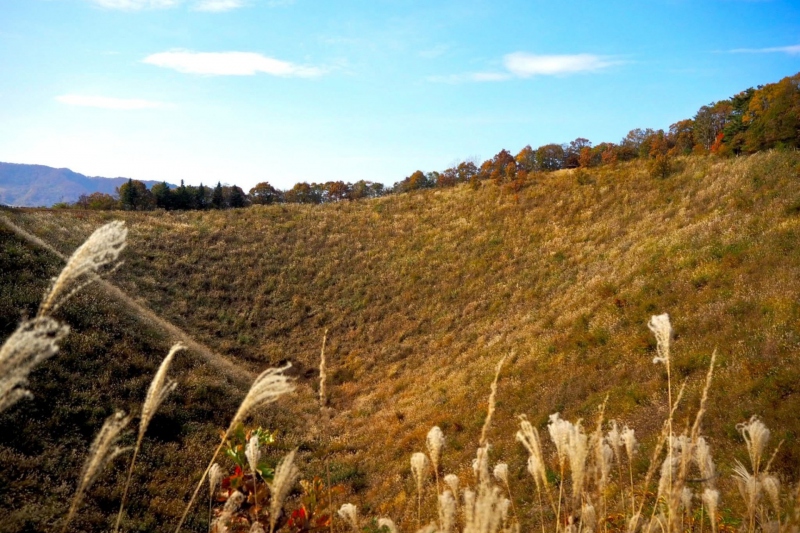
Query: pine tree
{"points": [[217, 200]]}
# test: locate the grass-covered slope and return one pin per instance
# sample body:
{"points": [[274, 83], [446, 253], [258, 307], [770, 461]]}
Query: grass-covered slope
{"points": [[421, 295]]}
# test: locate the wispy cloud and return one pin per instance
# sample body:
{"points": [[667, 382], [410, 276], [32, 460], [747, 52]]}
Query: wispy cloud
{"points": [[218, 6], [136, 5], [230, 64], [105, 102], [524, 65], [791, 50]]}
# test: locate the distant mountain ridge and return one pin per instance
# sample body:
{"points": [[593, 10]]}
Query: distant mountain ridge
{"points": [[39, 185]]}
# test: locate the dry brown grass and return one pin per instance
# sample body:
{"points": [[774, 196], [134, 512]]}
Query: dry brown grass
{"points": [[422, 292]]}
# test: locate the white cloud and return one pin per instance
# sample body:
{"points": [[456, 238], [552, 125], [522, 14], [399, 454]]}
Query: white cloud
{"points": [[105, 102], [791, 50], [525, 65], [136, 5], [218, 6], [229, 64]]}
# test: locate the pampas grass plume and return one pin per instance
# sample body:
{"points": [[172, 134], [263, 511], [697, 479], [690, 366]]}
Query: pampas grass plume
{"points": [[32, 342], [662, 329], [159, 389], [267, 388], [756, 435], [447, 512], [452, 481], [388, 524], [435, 442], [101, 248], [349, 513], [102, 451], [285, 475]]}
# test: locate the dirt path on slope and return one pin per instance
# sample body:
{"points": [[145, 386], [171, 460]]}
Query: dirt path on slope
{"points": [[239, 376]]}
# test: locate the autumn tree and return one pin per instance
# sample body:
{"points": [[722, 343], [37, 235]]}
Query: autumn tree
{"points": [[264, 194], [97, 201], [550, 157], [134, 196], [572, 153], [526, 159]]}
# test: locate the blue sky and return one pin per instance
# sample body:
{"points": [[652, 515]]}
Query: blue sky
{"points": [[243, 91]]}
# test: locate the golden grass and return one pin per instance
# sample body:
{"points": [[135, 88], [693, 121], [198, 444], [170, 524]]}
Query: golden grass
{"points": [[422, 292]]}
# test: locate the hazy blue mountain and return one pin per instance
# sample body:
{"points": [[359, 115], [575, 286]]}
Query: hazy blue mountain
{"points": [[38, 185]]}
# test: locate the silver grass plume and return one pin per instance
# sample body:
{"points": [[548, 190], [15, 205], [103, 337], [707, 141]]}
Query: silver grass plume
{"points": [[232, 504], [452, 482], [480, 465], [501, 472], [285, 475], [447, 512], [560, 430], [629, 439], [430, 528], [704, 461], [267, 388], [349, 514], [101, 248], [529, 437], [323, 371], [492, 401], [711, 501], [577, 452], [159, 389], [32, 342], [419, 467], [756, 436], [614, 439], [102, 452], [388, 524], [435, 442], [772, 487], [215, 476], [750, 489], [662, 329], [253, 453]]}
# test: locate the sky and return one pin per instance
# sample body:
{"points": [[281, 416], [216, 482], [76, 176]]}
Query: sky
{"points": [[283, 91]]}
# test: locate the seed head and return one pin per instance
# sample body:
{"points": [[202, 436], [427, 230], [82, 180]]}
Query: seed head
{"points": [[253, 453], [32, 342], [662, 329], [419, 467], [285, 475], [756, 436], [349, 513], [215, 476], [101, 248], [435, 442], [387, 523], [452, 481]]}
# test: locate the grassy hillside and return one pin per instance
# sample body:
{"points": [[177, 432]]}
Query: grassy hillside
{"points": [[421, 295]]}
